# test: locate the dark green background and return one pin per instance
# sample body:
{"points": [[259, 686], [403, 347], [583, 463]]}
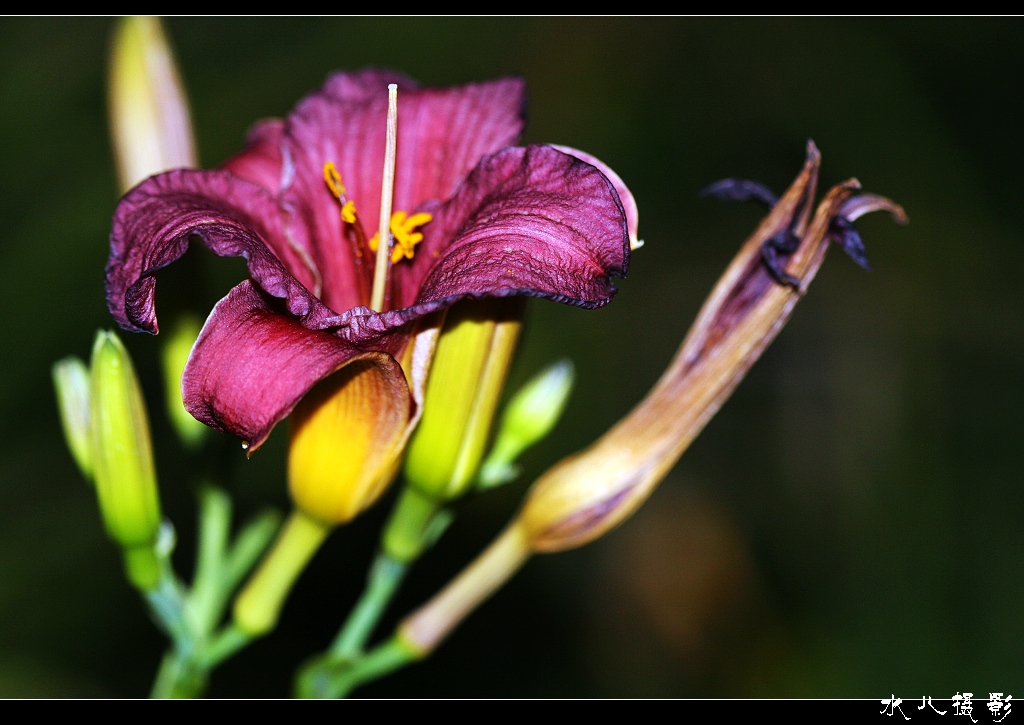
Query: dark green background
{"points": [[848, 525]]}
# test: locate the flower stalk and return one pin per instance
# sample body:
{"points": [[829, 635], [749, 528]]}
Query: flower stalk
{"points": [[258, 606]]}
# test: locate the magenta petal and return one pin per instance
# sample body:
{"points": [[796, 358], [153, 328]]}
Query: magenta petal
{"points": [[262, 162], [154, 222], [625, 195], [362, 85], [252, 364], [442, 134], [531, 221]]}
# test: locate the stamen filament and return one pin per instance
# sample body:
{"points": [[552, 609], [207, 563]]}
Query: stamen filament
{"points": [[380, 271]]}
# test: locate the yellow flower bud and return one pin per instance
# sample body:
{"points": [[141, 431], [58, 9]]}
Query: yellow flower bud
{"points": [[347, 435], [149, 116], [474, 350]]}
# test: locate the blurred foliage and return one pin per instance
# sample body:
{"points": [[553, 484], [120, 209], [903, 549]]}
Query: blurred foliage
{"points": [[848, 525]]}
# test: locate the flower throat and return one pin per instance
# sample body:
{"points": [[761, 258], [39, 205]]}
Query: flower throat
{"points": [[399, 228]]}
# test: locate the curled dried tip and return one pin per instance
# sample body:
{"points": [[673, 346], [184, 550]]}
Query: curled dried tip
{"points": [[776, 248], [740, 190], [846, 235], [857, 206]]}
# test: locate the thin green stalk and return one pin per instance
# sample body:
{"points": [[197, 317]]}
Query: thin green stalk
{"points": [[341, 678], [228, 641], [206, 599], [251, 542], [383, 580], [167, 602], [179, 677]]}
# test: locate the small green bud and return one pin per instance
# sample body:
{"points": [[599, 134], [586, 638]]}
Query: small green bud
{"points": [[174, 355], [122, 454], [71, 381], [529, 417]]}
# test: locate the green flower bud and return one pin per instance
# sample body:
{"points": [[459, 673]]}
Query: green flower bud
{"points": [[472, 357], [71, 382], [466, 378], [529, 417], [122, 458], [174, 355]]}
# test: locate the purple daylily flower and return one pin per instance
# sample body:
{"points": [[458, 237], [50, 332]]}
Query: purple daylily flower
{"points": [[504, 220]]}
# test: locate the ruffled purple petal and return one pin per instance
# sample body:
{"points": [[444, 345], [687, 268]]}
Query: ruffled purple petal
{"points": [[252, 363], [625, 195], [532, 221], [442, 134], [234, 217]]}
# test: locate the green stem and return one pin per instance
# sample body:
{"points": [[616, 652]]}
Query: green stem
{"points": [[179, 674], [259, 604], [190, 616], [416, 522], [167, 602], [383, 580], [207, 597], [228, 641], [179, 677], [250, 544], [339, 679]]}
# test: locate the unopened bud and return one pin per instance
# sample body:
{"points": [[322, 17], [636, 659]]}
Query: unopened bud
{"points": [[122, 455], [176, 350], [466, 378], [71, 382], [529, 416], [149, 116]]}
